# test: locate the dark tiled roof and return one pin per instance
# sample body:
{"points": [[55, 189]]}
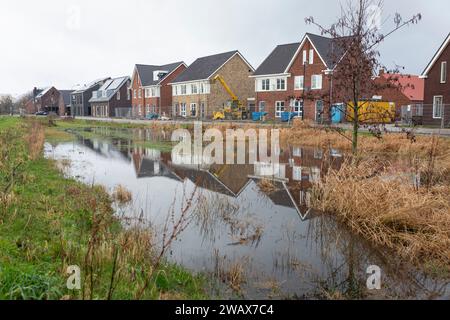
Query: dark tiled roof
{"points": [[146, 72], [328, 49], [278, 60], [110, 88], [203, 68], [65, 94]]}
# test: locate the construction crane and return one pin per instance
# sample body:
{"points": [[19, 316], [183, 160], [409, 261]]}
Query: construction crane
{"points": [[236, 111]]}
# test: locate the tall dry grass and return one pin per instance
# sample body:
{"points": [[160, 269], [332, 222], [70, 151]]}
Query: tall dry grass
{"points": [[304, 133], [35, 139], [390, 209]]}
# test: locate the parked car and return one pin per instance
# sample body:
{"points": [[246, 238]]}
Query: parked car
{"points": [[42, 113], [152, 116], [164, 118]]}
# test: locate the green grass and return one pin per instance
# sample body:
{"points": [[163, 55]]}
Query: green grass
{"points": [[112, 133], [8, 122], [45, 226]]}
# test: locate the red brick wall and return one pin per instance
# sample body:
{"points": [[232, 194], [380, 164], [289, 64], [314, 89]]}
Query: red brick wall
{"points": [[136, 102], [434, 87], [166, 91], [163, 104], [297, 69], [392, 94]]}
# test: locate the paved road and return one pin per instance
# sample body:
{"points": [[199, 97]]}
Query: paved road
{"points": [[390, 127], [182, 122]]}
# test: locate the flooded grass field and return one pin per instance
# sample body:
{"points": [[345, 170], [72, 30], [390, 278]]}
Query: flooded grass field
{"points": [[248, 227]]}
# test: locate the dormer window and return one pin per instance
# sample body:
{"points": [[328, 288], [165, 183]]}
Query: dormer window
{"points": [[159, 75], [444, 72]]}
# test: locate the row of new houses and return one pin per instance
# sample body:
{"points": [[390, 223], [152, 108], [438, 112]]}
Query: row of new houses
{"points": [[291, 70]]}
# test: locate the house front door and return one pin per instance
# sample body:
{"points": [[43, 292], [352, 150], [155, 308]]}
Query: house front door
{"points": [[319, 111], [203, 110]]}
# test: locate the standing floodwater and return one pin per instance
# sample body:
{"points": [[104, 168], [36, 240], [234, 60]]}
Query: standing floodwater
{"points": [[245, 227]]}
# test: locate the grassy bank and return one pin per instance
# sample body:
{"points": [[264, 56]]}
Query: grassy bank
{"points": [[64, 130], [48, 223]]}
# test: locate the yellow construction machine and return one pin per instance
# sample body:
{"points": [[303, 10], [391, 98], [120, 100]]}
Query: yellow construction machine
{"points": [[236, 110]]}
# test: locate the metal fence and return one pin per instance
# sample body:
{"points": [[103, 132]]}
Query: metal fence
{"points": [[412, 114], [426, 114]]}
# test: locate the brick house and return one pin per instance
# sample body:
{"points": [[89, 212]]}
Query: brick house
{"points": [[113, 99], [47, 100], [436, 110], [196, 95], [80, 105], [151, 92], [405, 90], [301, 70]]}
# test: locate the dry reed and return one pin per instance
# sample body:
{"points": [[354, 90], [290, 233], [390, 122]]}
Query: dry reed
{"points": [[389, 210], [305, 134]]}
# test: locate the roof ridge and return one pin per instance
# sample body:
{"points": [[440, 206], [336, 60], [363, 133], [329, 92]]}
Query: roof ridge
{"points": [[218, 54], [289, 44]]}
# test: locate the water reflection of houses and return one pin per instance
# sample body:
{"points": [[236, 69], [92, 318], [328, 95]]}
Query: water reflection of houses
{"points": [[293, 177]]}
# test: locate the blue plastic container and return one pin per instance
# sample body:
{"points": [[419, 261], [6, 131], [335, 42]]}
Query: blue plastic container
{"points": [[258, 116], [288, 116]]}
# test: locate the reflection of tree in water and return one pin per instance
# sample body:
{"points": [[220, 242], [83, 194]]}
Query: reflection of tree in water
{"points": [[215, 213]]}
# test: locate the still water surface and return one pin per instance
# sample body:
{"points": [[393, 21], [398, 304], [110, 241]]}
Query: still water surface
{"points": [[240, 226]]}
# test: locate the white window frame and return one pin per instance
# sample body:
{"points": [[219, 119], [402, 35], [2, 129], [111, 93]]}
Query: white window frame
{"points": [[193, 107], [305, 56], [299, 82], [118, 95], [128, 94], [435, 105], [194, 88], [280, 107], [297, 173], [297, 108], [265, 84], [316, 82], [279, 82], [183, 110], [311, 56], [140, 93], [183, 89], [444, 72], [134, 93]]}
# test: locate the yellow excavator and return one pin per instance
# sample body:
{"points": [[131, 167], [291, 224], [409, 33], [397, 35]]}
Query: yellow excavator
{"points": [[236, 110]]}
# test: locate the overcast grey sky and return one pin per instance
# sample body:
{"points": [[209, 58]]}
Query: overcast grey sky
{"points": [[64, 43]]}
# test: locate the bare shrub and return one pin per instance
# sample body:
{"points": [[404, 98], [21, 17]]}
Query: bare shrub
{"points": [[121, 195]]}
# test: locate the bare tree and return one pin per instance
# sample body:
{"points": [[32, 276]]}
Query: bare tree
{"points": [[356, 36], [6, 104], [21, 102]]}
